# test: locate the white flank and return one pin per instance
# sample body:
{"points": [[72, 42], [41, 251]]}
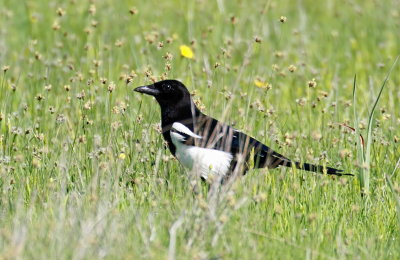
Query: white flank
{"points": [[201, 161]]}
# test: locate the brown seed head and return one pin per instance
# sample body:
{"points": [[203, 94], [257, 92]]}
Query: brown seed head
{"points": [[292, 68], [312, 83], [133, 11], [111, 87], [60, 11], [5, 68], [92, 9]]}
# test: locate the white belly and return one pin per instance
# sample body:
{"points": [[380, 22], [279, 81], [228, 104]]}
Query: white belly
{"points": [[204, 161], [200, 161]]}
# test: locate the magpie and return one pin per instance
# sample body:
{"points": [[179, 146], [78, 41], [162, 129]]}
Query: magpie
{"points": [[207, 146]]}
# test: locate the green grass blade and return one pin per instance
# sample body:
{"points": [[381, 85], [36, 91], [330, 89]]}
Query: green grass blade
{"points": [[395, 195], [360, 148], [367, 162]]}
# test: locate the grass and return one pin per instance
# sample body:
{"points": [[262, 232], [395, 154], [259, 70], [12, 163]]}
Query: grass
{"points": [[83, 171], [364, 155]]}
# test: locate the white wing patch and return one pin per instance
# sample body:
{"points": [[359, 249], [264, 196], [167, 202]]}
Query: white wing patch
{"points": [[184, 129], [199, 160]]}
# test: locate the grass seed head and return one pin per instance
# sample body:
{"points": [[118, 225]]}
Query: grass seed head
{"points": [[111, 87], [119, 43], [301, 101], [5, 68], [312, 83], [257, 39], [56, 25], [133, 11], [279, 54], [345, 153], [94, 23], [168, 56], [97, 63], [67, 87], [48, 87], [292, 68], [39, 97], [61, 12], [82, 139], [52, 110], [92, 9]]}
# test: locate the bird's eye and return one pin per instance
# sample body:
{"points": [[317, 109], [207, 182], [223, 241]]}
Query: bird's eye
{"points": [[167, 87]]}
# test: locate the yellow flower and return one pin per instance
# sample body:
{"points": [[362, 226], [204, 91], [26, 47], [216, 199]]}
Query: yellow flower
{"points": [[122, 156], [186, 51], [262, 84]]}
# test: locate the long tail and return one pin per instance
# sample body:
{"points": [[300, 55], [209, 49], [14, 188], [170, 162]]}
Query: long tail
{"points": [[319, 169], [271, 159]]}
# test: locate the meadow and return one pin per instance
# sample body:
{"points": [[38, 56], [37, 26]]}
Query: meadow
{"points": [[84, 173]]}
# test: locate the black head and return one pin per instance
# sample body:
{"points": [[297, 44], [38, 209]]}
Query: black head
{"points": [[167, 92]]}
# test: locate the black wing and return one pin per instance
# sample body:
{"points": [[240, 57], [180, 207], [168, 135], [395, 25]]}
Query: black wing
{"points": [[218, 135]]}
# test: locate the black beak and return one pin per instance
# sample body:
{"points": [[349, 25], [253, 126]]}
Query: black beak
{"points": [[149, 90]]}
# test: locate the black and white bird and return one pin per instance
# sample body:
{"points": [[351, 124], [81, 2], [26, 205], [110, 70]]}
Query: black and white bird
{"points": [[207, 146]]}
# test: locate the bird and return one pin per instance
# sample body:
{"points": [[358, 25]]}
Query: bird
{"points": [[208, 147]]}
